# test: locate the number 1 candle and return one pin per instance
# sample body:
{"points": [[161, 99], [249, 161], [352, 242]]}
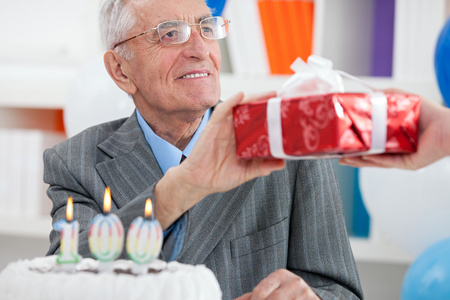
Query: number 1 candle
{"points": [[144, 240], [106, 236], [68, 254]]}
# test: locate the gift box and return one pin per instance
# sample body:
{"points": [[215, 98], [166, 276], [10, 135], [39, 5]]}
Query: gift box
{"points": [[329, 125], [304, 122]]}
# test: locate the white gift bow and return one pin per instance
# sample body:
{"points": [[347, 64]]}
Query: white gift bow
{"points": [[318, 77]]}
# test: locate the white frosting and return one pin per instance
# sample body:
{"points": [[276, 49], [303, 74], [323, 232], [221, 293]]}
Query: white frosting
{"points": [[40, 279]]}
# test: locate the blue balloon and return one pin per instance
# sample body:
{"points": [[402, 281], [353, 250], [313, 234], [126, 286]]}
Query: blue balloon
{"points": [[429, 275], [216, 6], [442, 62]]}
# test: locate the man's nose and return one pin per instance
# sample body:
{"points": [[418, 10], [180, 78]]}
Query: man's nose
{"points": [[198, 45]]}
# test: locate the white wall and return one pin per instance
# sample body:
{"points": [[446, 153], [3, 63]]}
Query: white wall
{"points": [[48, 31]]}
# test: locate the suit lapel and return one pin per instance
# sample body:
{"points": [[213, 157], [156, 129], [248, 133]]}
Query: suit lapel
{"points": [[132, 167], [209, 220]]}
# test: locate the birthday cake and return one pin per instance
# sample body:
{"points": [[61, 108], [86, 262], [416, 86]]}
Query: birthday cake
{"points": [[41, 279]]}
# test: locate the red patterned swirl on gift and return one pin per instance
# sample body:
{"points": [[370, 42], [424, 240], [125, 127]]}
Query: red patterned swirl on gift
{"points": [[259, 149], [242, 116], [314, 120]]}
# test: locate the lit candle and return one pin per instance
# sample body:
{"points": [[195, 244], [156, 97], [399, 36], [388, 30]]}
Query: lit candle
{"points": [[144, 240], [68, 254], [106, 236]]}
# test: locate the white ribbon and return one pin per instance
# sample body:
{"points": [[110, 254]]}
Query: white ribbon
{"points": [[319, 78], [275, 130], [312, 78], [379, 123]]}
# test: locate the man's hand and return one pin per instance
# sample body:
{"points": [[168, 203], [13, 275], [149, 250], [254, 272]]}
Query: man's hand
{"points": [[211, 167], [433, 143], [282, 285]]}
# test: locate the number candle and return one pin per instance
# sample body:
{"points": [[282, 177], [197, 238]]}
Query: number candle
{"points": [[144, 240], [68, 255], [106, 236]]}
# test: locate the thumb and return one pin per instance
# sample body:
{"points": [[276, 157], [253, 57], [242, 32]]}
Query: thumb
{"points": [[231, 102]]}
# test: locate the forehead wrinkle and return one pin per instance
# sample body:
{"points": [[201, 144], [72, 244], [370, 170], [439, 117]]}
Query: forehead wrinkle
{"points": [[195, 14], [142, 16]]}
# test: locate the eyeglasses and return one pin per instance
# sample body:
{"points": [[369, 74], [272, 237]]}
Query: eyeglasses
{"points": [[178, 31]]}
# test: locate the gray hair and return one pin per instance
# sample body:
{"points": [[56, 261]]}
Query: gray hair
{"points": [[116, 21]]}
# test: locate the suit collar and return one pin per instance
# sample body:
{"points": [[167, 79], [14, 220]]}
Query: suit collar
{"points": [[124, 139], [133, 167]]}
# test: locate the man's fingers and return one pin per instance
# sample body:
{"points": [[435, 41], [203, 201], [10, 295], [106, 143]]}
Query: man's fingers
{"points": [[283, 284], [223, 110], [239, 99], [259, 97], [266, 287], [232, 101], [244, 297], [267, 166]]}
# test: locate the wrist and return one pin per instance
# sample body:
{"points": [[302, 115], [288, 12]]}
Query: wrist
{"points": [[174, 195]]}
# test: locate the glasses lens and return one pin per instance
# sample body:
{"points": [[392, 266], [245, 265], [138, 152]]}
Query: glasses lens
{"points": [[174, 32], [214, 28]]}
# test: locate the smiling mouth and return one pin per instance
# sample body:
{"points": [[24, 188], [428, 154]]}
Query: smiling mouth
{"points": [[195, 75]]}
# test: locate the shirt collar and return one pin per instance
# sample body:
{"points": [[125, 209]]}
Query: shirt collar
{"points": [[165, 153]]}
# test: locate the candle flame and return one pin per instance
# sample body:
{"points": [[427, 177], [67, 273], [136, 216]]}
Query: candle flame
{"points": [[107, 201], [148, 208], [69, 210]]}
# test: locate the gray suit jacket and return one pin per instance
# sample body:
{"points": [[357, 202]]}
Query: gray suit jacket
{"points": [[291, 219]]}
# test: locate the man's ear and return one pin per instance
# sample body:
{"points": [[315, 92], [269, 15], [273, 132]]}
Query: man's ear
{"points": [[115, 64]]}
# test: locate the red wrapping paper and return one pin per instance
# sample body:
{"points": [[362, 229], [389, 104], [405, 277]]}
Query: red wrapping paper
{"points": [[336, 124]]}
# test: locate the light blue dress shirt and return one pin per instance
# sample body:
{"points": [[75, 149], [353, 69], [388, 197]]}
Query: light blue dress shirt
{"points": [[169, 156]]}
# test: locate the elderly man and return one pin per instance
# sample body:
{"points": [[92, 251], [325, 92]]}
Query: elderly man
{"points": [[266, 228]]}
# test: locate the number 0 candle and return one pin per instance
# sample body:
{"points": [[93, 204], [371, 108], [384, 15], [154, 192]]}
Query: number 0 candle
{"points": [[106, 236], [68, 255], [144, 240]]}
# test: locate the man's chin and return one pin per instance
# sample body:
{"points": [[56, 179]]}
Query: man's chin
{"points": [[203, 100]]}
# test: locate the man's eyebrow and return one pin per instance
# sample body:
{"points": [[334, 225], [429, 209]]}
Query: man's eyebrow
{"points": [[204, 17], [167, 24], [198, 20]]}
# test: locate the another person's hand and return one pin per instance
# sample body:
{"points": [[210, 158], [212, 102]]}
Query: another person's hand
{"points": [[433, 143], [212, 166], [281, 284]]}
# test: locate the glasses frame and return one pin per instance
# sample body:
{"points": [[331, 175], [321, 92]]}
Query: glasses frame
{"points": [[190, 25]]}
